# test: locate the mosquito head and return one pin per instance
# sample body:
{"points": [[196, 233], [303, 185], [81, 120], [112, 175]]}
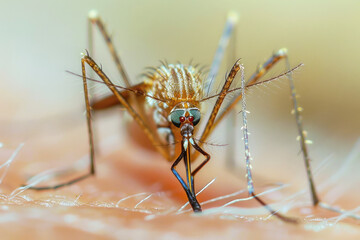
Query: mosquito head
{"points": [[185, 116]]}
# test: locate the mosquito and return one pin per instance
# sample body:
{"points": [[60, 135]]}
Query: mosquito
{"points": [[174, 94]]}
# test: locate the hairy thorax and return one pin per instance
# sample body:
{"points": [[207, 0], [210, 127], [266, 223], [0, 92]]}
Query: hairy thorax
{"points": [[175, 84]]}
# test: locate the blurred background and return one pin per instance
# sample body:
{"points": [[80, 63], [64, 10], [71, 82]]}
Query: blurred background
{"points": [[42, 105]]}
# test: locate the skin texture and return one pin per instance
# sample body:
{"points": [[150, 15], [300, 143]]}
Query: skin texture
{"points": [[98, 207]]}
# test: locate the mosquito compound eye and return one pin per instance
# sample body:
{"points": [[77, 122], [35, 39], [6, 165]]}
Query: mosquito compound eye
{"points": [[177, 117], [194, 116]]}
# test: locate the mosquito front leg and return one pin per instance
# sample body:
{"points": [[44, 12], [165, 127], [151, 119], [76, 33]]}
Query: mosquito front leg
{"points": [[209, 125], [193, 173], [137, 118], [261, 71], [207, 157], [233, 102], [186, 155], [189, 188]]}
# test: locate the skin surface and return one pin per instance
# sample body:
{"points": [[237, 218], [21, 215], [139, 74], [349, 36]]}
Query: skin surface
{"points": [[98, 207]]}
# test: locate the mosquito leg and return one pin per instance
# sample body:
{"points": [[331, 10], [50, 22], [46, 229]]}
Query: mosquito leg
{"points": [[189, 176], [248, 157], [221, 96], [230, 157], [212, 122], [303, 144], [209, 125], [231, 150], [91, 143], [273, 212], [189, 191], [193, 143], [261, 71], [246, 136], [193, 173], [303, 141], [95, 19], [87, 59], [219, 54], [137, 118], [78, 179]]}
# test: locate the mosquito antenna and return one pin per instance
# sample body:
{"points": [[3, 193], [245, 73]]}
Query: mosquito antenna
{"points": [[138, 92], [168, 144], [211, 144], [257, 83]]}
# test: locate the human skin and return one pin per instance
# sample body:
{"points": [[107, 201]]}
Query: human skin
{"points": [[109, 205]]}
